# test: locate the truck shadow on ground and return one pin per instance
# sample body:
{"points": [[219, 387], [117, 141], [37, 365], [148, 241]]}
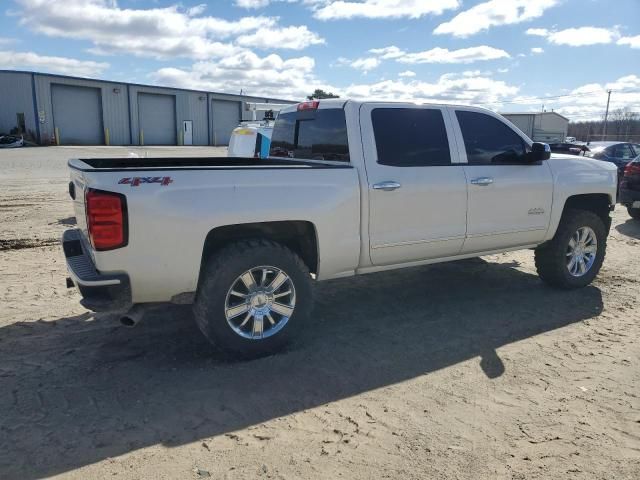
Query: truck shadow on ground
{"points": [[630, 228], [77, 391]]}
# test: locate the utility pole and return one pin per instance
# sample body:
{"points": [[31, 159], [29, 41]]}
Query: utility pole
{"points": [[606, 116]]}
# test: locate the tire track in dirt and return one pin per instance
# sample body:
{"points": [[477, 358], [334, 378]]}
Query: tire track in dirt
{"points": [[21, 243]]}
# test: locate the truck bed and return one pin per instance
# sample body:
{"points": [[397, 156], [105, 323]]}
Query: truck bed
{"points": [[193, 163]]}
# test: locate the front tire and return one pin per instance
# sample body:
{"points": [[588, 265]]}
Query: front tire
{"points": [[634, 213], [574, 256], [254, 297]]}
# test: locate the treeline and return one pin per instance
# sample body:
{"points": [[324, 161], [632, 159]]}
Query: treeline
{"points": [[622, 125]]}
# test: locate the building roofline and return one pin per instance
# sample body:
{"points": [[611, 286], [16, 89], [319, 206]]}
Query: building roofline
{"points": [[534, 113], [114, 82]]}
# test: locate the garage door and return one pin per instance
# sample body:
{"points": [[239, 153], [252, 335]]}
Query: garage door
{"points": [[226, 117], [157, 119], [77, 115]]}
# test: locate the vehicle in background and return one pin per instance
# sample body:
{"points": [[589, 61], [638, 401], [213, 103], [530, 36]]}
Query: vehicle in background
{"points": [[568, 148], [253, 138], [570, 139], [618, 153], [11, 141], [630, 188], [349, 188]]}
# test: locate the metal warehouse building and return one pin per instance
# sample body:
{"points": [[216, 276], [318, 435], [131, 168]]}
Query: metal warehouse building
{"points": [[55, 109], [541, 126]]}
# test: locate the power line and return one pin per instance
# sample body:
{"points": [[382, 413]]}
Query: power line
{"points": [[531, 100]]}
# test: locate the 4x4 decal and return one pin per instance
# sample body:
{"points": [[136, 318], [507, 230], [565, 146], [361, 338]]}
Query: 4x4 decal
{"points": [[135, 181]]}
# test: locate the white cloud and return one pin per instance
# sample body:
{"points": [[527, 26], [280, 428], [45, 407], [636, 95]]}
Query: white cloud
{"points": [[577, 37], [254, 75], [537, 50], [493, 13], [407, 74], [540, 32], [581, 36], [295, 79], [333, 10], [585, 102], [633, 42], [450, 88], [443, 55], [295, 38], [157, 32], [61, 65], [440, 55], [592, 99], [463, 55], [366, 64], [249, 4], [387, 52], [252, 3]]}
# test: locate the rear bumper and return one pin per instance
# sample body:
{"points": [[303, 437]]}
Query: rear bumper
{"points": [[100, 293]]}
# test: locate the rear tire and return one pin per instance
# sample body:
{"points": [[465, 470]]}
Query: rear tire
{"points": [[238, 286], [634, 213], [562, 265]]}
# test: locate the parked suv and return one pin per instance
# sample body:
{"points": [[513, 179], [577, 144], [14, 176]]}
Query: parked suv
{"points": [[630, 188]]}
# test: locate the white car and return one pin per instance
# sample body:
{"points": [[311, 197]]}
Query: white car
{"points": [[350, 188]]}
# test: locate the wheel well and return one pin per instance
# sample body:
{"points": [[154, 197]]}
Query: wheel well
{"points": [[598, 203], [298, 236]]}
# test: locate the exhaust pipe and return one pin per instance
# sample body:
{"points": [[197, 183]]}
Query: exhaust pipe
{"points": [[133, 316]]}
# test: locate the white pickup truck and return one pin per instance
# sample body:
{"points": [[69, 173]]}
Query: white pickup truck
{"points": [[349, 188]]}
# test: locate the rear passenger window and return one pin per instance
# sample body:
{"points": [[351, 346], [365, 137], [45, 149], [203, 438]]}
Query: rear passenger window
{"points": [[410, 137], [311, 135], [623, 151], [487, 140]]}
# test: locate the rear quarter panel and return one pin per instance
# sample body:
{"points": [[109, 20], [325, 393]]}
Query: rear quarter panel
{"points": [[578, 176], [168, 224]]}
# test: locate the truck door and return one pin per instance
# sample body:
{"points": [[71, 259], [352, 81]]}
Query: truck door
{"points": [[509, 199], [417, 188]]}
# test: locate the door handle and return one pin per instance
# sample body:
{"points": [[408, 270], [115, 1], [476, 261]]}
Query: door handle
{"points": [[482, 181], [387, 186]]}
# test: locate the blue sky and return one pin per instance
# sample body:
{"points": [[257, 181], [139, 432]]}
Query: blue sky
{"points": [[505, 54]]}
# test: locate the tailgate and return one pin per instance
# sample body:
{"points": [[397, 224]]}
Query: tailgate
{"points": [[76, 192]]}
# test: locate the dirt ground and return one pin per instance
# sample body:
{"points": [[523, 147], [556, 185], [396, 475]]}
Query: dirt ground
{"points": [[471, 370]]}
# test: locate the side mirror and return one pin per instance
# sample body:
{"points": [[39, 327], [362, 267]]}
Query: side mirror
{"points": [[539, 152]]}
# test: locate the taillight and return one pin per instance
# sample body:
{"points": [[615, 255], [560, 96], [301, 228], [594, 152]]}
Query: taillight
{"points": [[632, 168], [313, 105], [106, 219]]}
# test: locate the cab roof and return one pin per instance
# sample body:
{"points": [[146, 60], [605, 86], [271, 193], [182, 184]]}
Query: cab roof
{"points": [[327, 103]]}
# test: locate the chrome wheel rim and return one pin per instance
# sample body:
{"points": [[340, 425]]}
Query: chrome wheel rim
{"points": [[260, 302], [582, 251]]}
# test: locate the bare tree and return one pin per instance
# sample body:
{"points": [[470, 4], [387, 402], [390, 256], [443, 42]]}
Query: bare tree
{"points": [[623, 125]]}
